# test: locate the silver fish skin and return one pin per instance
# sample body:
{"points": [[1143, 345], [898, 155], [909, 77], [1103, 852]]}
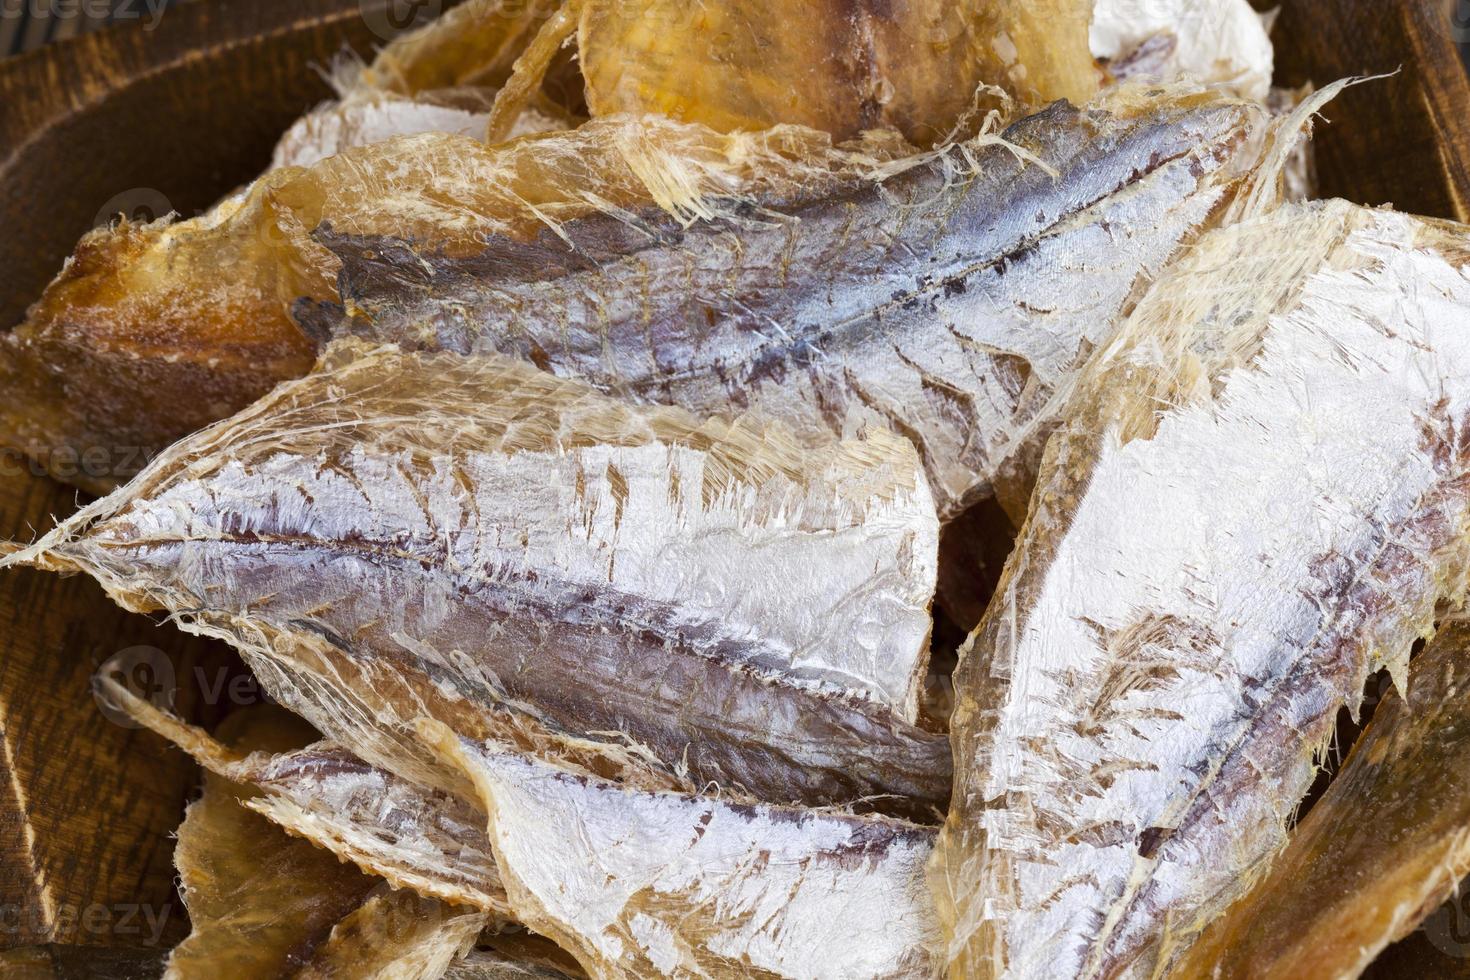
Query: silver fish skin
{"points": [[412, 534], [413, 836], [951, 303], [1261, 496], [637, 884]]}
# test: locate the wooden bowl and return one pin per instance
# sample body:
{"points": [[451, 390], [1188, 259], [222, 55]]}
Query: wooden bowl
{"points": [[174, 118]]}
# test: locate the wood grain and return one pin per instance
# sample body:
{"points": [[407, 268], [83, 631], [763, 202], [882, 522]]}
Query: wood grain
{"points": [[1403, 140], [86, 804], [187, 111], [170, 117]]}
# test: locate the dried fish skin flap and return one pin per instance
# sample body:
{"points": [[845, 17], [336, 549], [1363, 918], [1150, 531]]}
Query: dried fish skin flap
{"points": [[395, 934], [258, 901], [474, 43], [952, 302], [1261, 497], [839, 67], [644, 884], [1394, 827], [153, 331], [471, 534], [412, 836]]}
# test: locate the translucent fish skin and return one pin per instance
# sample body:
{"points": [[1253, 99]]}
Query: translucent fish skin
{"points": [[1262, 496], [840, 66], [1387, 842], [951, 303], [258, 901], [153, 331], [395, 934], [473, 43], [462, 535], [413, 836], [645, 884]]}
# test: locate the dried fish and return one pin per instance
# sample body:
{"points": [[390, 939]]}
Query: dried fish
{"points": [[840, 67], [153, 331], [257, 900], [394, 934], [952, 302], [645, 884], [463, 537], [366, 116], [412, 836], [473, 44], [1261, 496], [1386, 844]]}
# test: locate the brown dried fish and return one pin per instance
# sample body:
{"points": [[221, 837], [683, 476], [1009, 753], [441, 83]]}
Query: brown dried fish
{"points": [[646, 884], [1386, 844], [470, 538], [1262, 495], [153, 331], [838, 66], [952, 302], [394, 934]]}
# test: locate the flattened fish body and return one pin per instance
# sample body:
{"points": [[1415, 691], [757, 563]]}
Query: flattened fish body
{"points": [[648, 884], [462, 534], [1387, 842], [951, 304], [412, 836], [1262, 497]]}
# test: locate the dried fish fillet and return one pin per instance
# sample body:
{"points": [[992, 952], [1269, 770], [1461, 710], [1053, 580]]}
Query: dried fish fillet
{"points": [[395, 934], [266, 905], [414, 837], [365, 117], [1260, 498], [459, 537], [258, 900], [153, 331], [474, 43], [952, 302], [839, 67], [1386, 844], [644, 884]]}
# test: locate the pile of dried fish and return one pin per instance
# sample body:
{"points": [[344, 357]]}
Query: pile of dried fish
{"points": [[595, 399]]}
